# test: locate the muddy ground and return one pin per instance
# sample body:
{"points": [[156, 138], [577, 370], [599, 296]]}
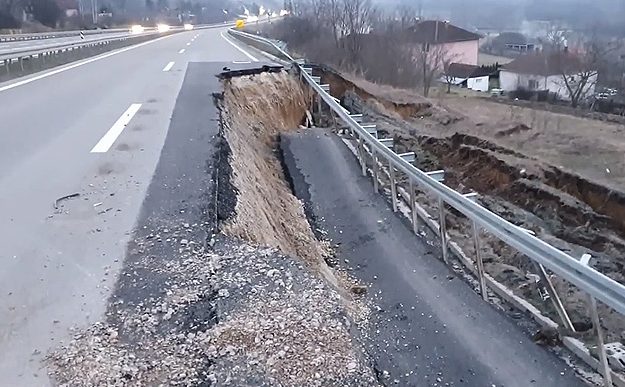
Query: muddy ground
{"points": [[561, 176]]}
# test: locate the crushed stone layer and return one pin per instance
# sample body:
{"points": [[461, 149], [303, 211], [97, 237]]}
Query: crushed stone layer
{"points": [[275, 323]]}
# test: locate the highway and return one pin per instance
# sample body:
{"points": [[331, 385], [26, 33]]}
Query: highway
{"points": [[97, 149], [93, 128]]}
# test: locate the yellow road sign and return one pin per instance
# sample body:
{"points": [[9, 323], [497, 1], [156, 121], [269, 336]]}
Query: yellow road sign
{"points": [[240, 23]]}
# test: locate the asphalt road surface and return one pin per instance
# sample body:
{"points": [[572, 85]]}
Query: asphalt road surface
{"points": [[431, 329], [94, 128]]}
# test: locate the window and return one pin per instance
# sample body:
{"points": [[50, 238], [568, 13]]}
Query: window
{"points": [[532, 84]]}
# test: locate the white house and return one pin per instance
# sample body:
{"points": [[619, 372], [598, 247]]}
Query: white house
{"points": [[542, 71], [472, 77]]}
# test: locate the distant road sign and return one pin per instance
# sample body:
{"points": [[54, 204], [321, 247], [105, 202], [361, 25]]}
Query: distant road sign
{"points": [[240, 24]]}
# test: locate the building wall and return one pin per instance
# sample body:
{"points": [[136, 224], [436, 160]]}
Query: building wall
{"points": [[478, 84], [463, 52], [510, 81]]}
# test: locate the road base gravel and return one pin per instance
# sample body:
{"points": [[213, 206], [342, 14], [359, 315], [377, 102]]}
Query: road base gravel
{"points": [[234, 316]]}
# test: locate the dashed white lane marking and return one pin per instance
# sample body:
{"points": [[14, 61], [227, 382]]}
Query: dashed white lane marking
{"points": [[241, 61], [109, 138], [188, 44], [168, 66], [238, 48], [181, 51], [78, 64]]}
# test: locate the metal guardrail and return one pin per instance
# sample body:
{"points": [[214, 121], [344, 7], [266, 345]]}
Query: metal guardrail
{"points": [[42, 51], [56, 34], [64, 34], [25, 52], [268, 45]]}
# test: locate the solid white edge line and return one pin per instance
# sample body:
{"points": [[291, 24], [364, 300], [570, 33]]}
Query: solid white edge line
{"points": [[109, 137], [168, 66], [238, 48], [77, 64], [181, 51]]}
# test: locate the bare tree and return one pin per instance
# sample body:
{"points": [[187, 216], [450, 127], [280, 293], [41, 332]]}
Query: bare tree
{"points": [[430, 59], [358, 15], [578, 85], [579, 70], [406, 16], [336, 20], [447, 75]]}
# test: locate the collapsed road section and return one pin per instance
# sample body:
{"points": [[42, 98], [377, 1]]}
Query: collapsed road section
{"points": [[262, 258], [250, 306]]}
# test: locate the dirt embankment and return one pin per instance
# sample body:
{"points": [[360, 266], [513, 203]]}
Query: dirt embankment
{"points": [[256, 110], [572, 212]]}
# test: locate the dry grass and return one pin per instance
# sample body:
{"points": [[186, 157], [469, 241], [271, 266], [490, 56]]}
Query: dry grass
{"points": [[594, 149]]}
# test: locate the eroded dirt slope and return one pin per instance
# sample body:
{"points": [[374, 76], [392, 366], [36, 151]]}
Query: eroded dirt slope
{"points": [[515, 165]]}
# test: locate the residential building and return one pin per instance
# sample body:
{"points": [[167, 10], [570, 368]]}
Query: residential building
{"points": [[458, 44], [472, 77], [545, 71], [511, 44]]}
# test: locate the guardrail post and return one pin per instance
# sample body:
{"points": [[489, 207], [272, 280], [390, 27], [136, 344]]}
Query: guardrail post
{"points": [[21, 60], [391, 170], [361, 152], [442, 228], [413, 205], [376, 171], [551, 290], [555, 299], [594, 315], [480, 262], [319, 105]]}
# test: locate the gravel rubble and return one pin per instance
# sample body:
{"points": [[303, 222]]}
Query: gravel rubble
{"points": [[234, 316]]}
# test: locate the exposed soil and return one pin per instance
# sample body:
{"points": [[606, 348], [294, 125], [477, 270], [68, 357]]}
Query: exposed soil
{"points": [[515, 162], [257, 109]]}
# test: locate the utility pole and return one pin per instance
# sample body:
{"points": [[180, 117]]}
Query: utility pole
{"points": [[94, 11]]}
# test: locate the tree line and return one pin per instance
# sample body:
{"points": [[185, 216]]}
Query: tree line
{"points": [[358, 37]]}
